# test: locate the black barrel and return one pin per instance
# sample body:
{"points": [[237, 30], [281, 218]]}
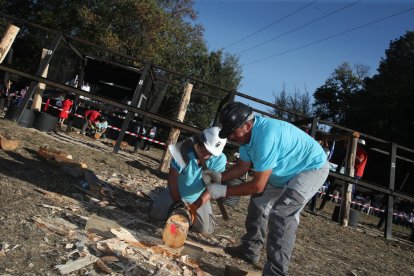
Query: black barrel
{"points": [[2, 104], [28, 118], [45, 122], [336, 213], [354, 218], [11, 113]]}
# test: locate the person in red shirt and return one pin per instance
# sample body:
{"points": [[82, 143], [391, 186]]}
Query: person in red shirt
{"points": [[91, 118], [64, 114], [361, 158]]}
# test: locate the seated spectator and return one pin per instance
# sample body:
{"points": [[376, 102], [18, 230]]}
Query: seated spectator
{"points": [[101, 127]]}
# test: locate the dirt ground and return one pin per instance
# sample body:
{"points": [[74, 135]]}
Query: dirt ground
{"points": [[29, 186]]}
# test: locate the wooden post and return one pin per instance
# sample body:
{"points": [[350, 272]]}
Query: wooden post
{"points": [[38, 94], [347, 189], [43, 64], [175, 132], [7, 40], [390, 202], [134, 103]]}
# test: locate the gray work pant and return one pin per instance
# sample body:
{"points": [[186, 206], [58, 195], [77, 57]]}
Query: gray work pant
{"points": [[85, 125], [279, 210], [204, 222]]}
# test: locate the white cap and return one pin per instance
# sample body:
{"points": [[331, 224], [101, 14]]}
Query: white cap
{"points": [[361, 141], [213, 143]]}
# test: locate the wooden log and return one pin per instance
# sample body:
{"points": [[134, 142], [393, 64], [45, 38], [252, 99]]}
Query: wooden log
{"points": [[49, 153], [175, 132], [8, 144], [123, 145], [94, 183], [7, 40], [73, 171], [175, 231], [59, 158]]}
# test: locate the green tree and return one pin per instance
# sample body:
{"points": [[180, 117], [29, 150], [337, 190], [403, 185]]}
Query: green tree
{"points": [[333, 99], [297, 103], [163, 32], [385, 109]]}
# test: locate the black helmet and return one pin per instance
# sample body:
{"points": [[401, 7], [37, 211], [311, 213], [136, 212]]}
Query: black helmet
{"points": [[232, 116]]}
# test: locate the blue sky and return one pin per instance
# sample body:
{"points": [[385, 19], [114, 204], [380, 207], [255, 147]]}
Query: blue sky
{"points": [[299, 23]]}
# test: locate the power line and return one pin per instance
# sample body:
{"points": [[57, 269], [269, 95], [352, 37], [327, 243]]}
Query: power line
{"points": [[271, 24], [300, 27], [332, 36]]}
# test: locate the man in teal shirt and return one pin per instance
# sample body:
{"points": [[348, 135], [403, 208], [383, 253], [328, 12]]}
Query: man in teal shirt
{"points": [[186, 184], [289, 168]]}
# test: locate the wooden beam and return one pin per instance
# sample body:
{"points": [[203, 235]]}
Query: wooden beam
{"points": [[43, 65], [134, 102], [7, 40], [175, 132]]}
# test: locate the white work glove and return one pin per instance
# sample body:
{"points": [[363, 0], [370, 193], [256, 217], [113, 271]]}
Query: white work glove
{"points": [[217, 190], [211, 177]]}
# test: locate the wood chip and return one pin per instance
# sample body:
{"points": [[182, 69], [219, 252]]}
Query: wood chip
{"points": [[56, 225], [77, 264], [114, 246], [102, 266], [101, 226], [110, 259], [51, 207]]}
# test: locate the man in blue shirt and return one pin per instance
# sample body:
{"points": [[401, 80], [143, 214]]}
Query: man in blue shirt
{"points": [[289, 168], [186, 184]]}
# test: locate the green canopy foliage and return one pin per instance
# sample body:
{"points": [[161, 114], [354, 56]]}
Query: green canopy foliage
{"points": [[333, 99], [385, 108], [297, 102]]}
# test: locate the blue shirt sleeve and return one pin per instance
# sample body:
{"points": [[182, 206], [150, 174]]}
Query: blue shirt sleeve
{"points": [[174, 164], [217, 164]]}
